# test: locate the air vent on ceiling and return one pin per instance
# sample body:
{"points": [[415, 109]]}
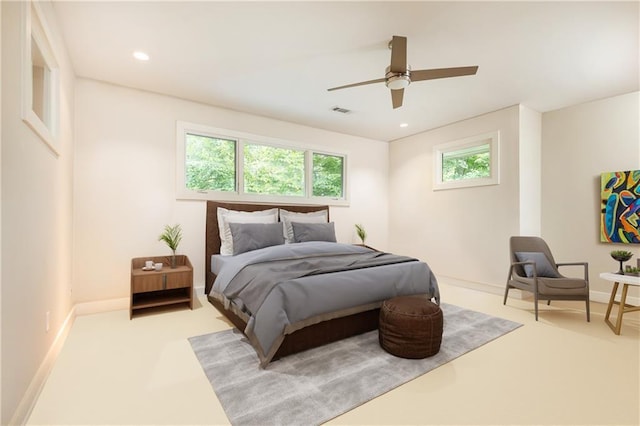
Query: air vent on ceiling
{"points": [[341, 110]]}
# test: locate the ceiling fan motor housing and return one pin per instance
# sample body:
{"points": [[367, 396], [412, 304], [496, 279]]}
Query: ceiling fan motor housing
{"points": [[397, 80]]}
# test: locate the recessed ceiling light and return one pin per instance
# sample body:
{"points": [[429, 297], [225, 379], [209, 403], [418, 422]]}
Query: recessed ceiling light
{"points": [[404, 125], [141, 56]]}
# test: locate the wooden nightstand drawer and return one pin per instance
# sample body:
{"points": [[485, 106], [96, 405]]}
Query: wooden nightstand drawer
{"points": [[147, 283], [179, 279], [161, 280], [168, 286]]}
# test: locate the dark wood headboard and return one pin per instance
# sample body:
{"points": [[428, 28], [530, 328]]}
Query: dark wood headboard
{"points": [[212, 239]]}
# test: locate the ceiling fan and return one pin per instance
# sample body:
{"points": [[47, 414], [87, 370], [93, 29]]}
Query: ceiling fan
{"points": [[399, 75]]}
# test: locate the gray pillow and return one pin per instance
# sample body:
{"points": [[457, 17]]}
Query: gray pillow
{"points": [[543, 267], [253, 236], [313, 232]]}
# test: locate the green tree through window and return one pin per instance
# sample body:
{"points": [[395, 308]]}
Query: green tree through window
{"points": [[273, 171], [471, 163], [210, 163], [219, 160], [328, 175]]}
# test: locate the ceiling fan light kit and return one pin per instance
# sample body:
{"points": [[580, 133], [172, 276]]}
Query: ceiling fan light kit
{"points": [[397, 81], [398, 75]]}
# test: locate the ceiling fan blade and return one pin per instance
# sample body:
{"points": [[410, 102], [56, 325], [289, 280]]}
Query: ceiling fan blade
{"points": [[396, 98], [420, 75], [398, 54], [362, 83]]}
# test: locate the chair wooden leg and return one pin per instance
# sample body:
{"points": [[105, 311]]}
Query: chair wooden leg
{"points": [[548, 302], [588, 313], [507, 287], [535, 301]]}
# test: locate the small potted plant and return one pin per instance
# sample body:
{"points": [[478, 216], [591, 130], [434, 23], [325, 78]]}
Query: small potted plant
{"points": [[362, 234], [632, 270], [172, 236], [621, 256]]}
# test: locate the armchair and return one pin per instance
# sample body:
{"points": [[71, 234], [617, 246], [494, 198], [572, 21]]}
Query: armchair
{"points": [[534, 269]]}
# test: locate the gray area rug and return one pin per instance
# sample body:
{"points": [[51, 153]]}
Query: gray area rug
{"points": [[317, 385]]}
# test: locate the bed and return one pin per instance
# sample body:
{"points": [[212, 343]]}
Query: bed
{"points": [[322, 325]]}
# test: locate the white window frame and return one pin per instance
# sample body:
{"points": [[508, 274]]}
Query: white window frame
{"points": [[35, 26], [309, 177], [493, 138], [184, 193]]}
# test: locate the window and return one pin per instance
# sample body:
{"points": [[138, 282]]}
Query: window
{"points": [[271, 170], [468, 162], [328, 175], [210, 163], [229, 165], [39, 76], [41, 85]]}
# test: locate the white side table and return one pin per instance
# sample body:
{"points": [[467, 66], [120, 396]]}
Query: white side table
{"points": [[623, 307]]}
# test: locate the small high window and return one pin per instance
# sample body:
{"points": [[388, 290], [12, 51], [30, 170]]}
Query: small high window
{"points": [[39, 76], [467, 162]]}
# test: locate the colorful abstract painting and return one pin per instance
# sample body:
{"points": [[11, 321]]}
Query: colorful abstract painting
{"points": [[620, 194]]}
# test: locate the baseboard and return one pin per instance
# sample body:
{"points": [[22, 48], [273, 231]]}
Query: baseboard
{"points": [[86, 308], [594, 296], [484, 287], [199, 291], [28, 401], [602, 297]]}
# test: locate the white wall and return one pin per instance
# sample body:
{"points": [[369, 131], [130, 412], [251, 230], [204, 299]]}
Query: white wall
{"points": [[36, 224], [579, 143], [0, 212], [125, 182], [530, 169], [462, 233]]}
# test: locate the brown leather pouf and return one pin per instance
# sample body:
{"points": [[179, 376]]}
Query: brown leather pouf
{"points": [[410, 327]]}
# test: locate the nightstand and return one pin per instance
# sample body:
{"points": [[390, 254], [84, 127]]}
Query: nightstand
{"points": [[168, 286]]}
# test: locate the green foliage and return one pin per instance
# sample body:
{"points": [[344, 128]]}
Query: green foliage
{"points": [[274, 171], [362, 234], [621, 255], [631, 270], [469, 167], [327, 175], [210, 163], [172, 236], [211, 166]]}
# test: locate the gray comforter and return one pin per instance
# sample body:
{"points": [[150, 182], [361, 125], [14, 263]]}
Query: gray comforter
{"points": [[284, 288]]}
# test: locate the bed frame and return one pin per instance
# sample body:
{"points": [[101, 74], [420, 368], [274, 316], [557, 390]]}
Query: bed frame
{"points": [[308, 337]]}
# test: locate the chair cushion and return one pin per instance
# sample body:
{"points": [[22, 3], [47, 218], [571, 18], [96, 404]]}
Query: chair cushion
{"points": [[557, 286], [543, 266], [562, 286]]}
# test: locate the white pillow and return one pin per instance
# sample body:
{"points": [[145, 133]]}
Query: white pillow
{"points": [[226, 216], [286, 217]]}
